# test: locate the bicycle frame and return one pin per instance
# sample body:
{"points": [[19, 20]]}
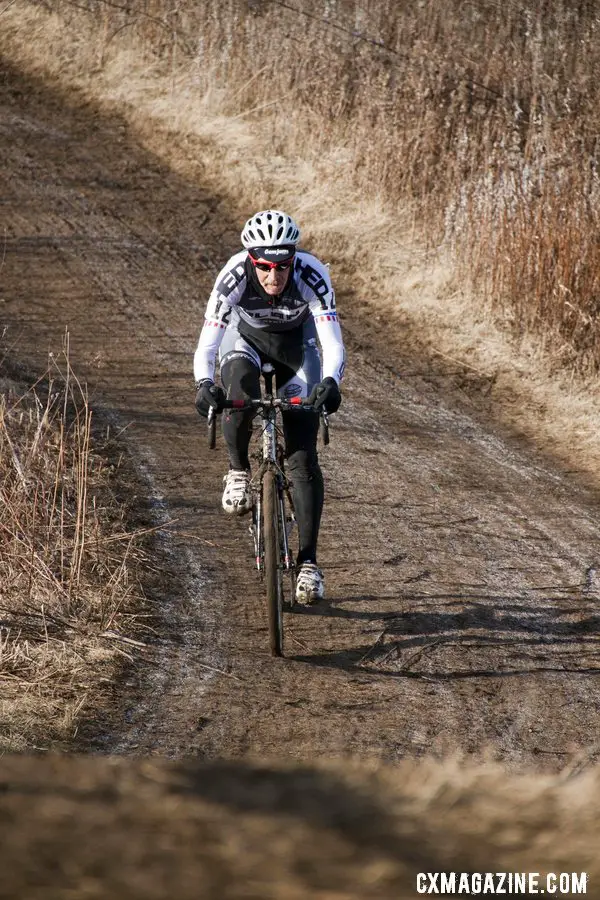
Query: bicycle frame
{"points": [[272, 457], [271, 524]]}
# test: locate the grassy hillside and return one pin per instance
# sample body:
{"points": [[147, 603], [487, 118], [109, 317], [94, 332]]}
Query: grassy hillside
{"points": [[475, 122]]}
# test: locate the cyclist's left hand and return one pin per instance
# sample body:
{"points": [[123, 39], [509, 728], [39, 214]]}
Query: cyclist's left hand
{"points": [[327, 394]]}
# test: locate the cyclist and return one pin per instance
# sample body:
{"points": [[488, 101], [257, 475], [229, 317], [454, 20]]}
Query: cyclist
{"points": [[270, 303]]}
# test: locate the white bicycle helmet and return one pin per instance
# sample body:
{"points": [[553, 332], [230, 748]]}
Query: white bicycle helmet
{"points": [[270, 228]]}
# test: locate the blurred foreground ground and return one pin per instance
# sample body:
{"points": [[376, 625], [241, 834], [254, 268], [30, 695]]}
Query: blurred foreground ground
{"points": [[96, 828]]}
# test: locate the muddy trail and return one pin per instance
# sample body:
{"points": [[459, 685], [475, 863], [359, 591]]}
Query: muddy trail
{"points": [[462, 607]]}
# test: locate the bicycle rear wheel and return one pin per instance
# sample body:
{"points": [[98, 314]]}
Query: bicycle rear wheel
{"points": [[273, 574]]}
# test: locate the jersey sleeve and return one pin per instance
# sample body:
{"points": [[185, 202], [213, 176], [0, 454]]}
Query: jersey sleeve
{"points": [[224, 296], [329, 334], [315, 277]]}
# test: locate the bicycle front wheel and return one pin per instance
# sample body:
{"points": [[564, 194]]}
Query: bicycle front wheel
{"points": [[273, 574]]}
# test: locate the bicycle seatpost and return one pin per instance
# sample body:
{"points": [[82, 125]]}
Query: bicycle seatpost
{"points": [[268, 372]]}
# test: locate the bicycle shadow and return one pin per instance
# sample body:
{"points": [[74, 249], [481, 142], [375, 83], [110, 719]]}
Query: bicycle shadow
{"points": [[487, 626]]}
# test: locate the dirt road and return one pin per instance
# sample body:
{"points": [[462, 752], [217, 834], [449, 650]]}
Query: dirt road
{"points": [[462, 606]]}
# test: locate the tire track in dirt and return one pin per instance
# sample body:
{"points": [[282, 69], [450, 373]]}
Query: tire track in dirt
{"points": [[461, 614]]}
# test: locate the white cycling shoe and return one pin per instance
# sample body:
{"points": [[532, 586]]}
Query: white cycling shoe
{"points": [[237, 496], [310, 584]]}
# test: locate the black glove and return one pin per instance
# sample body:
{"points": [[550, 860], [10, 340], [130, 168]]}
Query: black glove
{"points": [[327, 394], [209, 394]]}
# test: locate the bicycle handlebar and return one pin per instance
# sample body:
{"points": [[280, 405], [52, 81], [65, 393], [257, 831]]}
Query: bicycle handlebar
{"points": [[264, 404], [274, 402]]}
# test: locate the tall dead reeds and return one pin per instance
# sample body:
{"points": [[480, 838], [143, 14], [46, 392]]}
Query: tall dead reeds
{"points": [[65, 576]]}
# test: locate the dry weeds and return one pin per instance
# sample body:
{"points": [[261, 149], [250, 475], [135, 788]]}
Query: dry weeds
{"points": [[67, 560]]}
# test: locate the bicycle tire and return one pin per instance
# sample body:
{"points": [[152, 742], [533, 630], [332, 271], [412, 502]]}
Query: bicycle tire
{"points": [[273, 575]]}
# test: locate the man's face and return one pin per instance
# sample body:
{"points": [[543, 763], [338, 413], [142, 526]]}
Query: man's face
{"points": [[272, 277]]}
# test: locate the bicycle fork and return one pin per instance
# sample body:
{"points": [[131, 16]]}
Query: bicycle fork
{"points": [[284, 531], [269, 447]]}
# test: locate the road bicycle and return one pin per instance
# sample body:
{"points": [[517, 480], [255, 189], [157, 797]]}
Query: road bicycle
{"points": [[273, 517]]}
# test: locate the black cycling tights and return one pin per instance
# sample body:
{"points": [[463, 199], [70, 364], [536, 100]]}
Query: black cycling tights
{"points": [[241, 378]]}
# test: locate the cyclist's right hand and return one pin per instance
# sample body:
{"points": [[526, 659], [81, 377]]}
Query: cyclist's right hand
{"points": [[209, 394]]}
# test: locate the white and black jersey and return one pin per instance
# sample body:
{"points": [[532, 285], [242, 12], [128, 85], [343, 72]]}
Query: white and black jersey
{"points": [[238, 301]]}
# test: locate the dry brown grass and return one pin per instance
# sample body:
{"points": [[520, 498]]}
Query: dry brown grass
{"points": [[480, 117], [67, 560]]}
